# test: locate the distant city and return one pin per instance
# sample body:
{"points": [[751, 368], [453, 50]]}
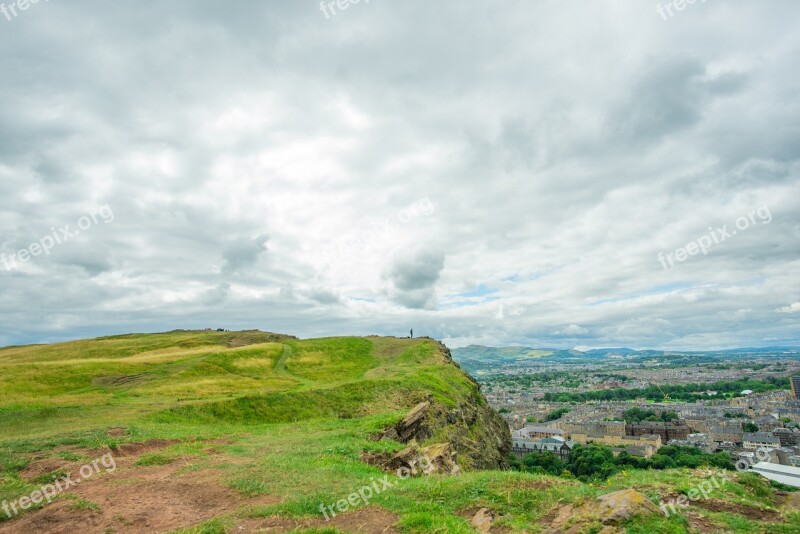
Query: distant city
{"points": [[745, 402]]}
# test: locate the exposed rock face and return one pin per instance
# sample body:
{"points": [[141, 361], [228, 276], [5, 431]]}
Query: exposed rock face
{"points": [[482, 520], [609, 510], [434, 459], [411, 427], [475, 430], [623, 505]]}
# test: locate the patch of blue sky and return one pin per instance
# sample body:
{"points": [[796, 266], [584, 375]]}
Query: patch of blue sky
{"points": [[664, 288]]}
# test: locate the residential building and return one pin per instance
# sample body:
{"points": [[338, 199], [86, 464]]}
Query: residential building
{"points": [[758, 440], [538, 432], [667, 431], [609, 428], [653, 440], [787, 437], [643, 451], [556, 444]]}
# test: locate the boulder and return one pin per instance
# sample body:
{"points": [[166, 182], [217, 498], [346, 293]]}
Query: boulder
{"points": [[609, 510], [412, 426], [482, 520], [413, 460], [620, 506]]}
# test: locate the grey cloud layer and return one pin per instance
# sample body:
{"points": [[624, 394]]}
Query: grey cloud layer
{"points": [[245, 149]]}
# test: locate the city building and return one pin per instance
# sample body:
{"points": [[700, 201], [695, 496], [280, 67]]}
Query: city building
{"points": [[787, 437], [609, 428], [557, 445], [667, 431], [795, 381], [701, 441], [538, 432], [653, 440], [758, 440], [643, 451]]}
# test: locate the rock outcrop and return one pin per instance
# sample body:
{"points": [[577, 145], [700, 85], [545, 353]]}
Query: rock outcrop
{"points": [[609, 510], [438, 458], [475, 431], [482, 520]]}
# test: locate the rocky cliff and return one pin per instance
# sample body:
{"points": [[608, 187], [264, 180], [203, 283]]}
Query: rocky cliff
{"points": [[475, 431]]}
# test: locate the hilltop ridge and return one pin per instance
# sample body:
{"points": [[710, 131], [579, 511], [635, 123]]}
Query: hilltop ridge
{"points": [[238, 432]]}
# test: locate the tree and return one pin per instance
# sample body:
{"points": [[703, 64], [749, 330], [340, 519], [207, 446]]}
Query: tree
{"points": [[669, 416], [590, 461], [636, 415], [750, 427], [544, 462], [556, 414], [663, 462]]}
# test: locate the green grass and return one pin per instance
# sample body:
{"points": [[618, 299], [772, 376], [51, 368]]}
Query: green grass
{"points": [[289, 418], [83, 504]]}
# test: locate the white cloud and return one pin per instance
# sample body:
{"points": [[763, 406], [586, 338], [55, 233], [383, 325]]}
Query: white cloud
{"points": [[562, 154], [793, 308], [571, 330]]}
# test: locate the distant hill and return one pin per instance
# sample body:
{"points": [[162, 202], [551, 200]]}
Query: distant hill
{"points": [[475, 358]]}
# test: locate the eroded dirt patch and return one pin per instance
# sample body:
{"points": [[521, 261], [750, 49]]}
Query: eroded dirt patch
{"points": [[122, 380], [133, 500], [539, 485], [791, 501], [367, 520], [750, 512], [45, 466], [137, 449], [698, 523]]}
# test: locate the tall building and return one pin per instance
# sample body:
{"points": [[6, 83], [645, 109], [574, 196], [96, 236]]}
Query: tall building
{"points": [[795, 380]]}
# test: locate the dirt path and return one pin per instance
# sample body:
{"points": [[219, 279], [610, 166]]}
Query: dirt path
{"points": [[137, 499], [280, 368]]}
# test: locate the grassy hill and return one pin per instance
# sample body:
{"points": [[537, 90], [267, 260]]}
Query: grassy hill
{"points": [[216, 432]]}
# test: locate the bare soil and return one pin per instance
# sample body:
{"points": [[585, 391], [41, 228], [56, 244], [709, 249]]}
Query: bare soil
{"points": [[698, 523], [750, 512], [133, 499], [366, 520]]}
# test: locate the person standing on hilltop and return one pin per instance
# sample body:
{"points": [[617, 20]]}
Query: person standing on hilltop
{"points": [[412, 333]]}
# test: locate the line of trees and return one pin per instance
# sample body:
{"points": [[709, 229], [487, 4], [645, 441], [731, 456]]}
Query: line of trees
{"points": [[596, 462], [684, 392], [637, 415]]}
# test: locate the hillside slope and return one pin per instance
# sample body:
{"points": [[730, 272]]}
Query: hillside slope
{"points": [[221, 432]]}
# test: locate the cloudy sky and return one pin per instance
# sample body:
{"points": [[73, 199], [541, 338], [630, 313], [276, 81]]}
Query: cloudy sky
{"points": [[495, 173]]}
